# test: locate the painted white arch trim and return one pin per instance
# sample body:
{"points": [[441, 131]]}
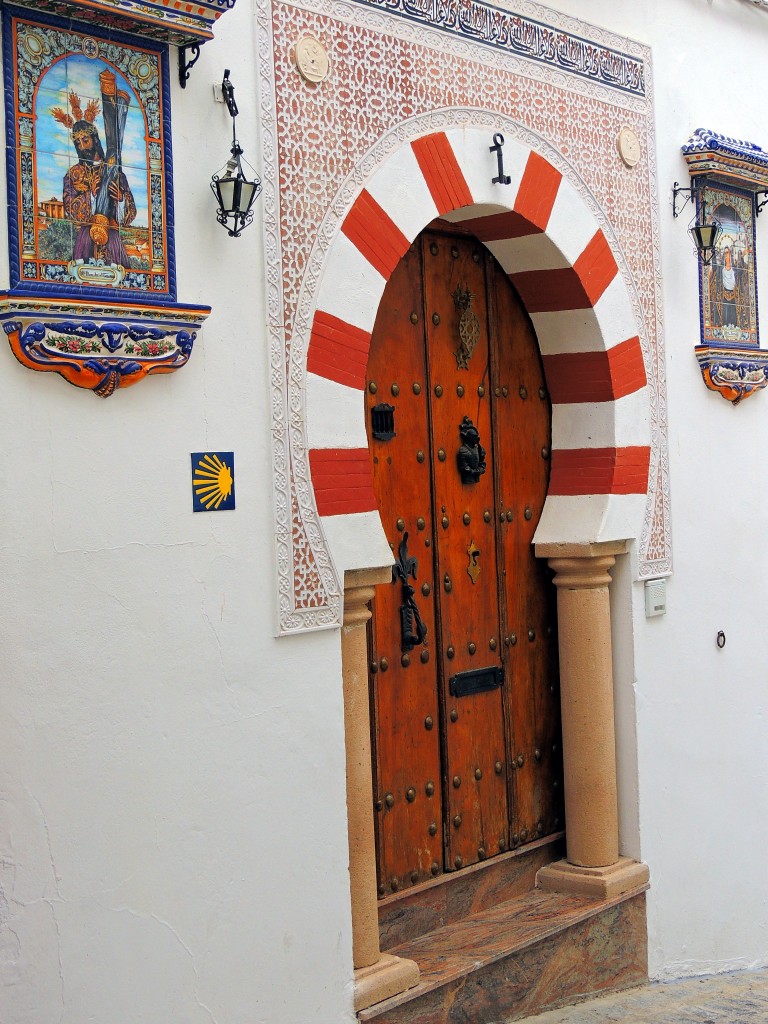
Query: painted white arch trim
{"points": [[351, 289]]}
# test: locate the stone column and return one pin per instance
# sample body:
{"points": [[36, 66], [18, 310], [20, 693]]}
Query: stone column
{"points": [[377, 976], [593, 865]]}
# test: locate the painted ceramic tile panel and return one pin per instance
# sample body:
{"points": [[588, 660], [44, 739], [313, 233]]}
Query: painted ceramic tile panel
{"points": [[88, 161], [170, 21], [728, 284]]}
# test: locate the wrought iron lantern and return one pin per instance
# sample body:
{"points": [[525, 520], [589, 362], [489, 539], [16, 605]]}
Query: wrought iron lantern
{"points": [[703, 232], [705, 237], [235, 193]]}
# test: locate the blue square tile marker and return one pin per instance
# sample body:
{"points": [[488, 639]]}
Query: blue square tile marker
{"points": [[213, 481]]}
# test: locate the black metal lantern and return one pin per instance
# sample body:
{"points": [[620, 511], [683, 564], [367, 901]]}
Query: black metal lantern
{"points": [[705, 234], [235, 193]]}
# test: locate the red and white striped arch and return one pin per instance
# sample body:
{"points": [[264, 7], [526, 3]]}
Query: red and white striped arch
{"points": [[559, 260]]}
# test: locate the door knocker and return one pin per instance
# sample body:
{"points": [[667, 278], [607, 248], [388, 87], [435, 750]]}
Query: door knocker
{"points": [[469, 327], [471, 456], [413, 630]]}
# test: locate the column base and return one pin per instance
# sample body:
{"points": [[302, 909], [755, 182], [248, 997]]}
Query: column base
{"points": [[601, 883], [387, 977]]}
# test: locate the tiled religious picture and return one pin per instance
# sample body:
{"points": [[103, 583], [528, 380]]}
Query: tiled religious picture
{"points": [[87, 160], [728, 284]]}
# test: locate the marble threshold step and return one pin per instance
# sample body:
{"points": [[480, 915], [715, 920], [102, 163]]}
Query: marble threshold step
{"points": [[520, 956]]}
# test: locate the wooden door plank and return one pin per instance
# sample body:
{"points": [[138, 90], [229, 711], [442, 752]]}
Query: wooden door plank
{"points": [[404, 684], [475, 794], [522, 416]]}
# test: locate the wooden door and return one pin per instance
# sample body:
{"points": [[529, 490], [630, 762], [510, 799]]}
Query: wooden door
{"points": [[463, 671]]}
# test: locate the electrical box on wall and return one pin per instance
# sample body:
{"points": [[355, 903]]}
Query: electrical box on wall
{"points": [[655, 598]]}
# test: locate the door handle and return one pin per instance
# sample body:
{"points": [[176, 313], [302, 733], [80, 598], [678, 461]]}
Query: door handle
{"points": [[412, 630]]}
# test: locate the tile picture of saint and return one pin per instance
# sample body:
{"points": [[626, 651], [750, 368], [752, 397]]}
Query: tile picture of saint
{"points": [[728, 283], [96, 194], [91, 116], [729, 278], [101, 218]]}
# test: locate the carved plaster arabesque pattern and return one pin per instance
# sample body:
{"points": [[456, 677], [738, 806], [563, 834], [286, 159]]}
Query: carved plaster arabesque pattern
{"points": [[322, 143]]}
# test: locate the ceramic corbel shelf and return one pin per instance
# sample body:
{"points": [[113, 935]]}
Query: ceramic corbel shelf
{"points": [[734, 372], [167, 21], [101, 347]]}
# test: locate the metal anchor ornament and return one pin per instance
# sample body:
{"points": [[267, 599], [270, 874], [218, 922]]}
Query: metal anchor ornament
{"points": [[469, 327], [470, 458], [413, 631], [501, 178]]}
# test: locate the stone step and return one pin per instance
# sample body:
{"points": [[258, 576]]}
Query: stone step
{"points": [[456, 895], [520, 956]]}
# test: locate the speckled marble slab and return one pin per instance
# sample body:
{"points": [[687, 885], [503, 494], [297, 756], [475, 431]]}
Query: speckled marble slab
{"points": [[454, 897], [540, 950]]}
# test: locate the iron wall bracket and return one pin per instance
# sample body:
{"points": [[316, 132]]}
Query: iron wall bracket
{"points": [[185, 65]]}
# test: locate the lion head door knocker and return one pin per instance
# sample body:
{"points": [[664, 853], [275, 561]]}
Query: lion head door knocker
{"points": [[412, 628], [469, 327], [470, 458]]}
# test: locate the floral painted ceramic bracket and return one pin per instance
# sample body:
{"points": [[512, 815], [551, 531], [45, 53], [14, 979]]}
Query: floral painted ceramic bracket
{"points": [[736, 373], [728, 175], [99, 348]]}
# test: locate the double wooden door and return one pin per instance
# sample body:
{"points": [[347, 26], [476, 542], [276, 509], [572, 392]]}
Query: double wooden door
{"points": [[463, 647]]}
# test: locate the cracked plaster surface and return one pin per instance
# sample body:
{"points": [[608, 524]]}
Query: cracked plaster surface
{"points": [[139, 966]]}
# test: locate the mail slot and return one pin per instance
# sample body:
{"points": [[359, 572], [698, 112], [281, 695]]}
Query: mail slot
{"points": [[478, 680]]}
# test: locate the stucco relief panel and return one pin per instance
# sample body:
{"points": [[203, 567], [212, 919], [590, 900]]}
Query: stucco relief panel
{"points": [[318, 136]]}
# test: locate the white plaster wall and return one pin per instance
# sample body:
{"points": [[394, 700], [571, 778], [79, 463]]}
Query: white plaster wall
{"points": [[172, 817], [702, 753], [172, 805]]}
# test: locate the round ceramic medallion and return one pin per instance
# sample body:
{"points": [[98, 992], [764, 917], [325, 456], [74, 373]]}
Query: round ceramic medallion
{"points": [[629, 147], [311, 59]]}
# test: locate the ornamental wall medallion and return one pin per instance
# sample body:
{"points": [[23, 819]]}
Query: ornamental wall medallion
{"points": [[90, 206]]}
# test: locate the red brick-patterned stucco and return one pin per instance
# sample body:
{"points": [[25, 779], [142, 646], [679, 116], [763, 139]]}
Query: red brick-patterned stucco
{"points": [[596, 376], [341, 478], [373, 232], [581, 471], [442, 173], [338, 350]]}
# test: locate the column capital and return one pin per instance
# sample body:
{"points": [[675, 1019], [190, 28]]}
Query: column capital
{"points": [[588, 573], [359, 589], [586, 549]]}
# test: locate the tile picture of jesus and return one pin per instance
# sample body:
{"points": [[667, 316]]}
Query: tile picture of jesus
{"points": [[90, 170], [98, 201]]}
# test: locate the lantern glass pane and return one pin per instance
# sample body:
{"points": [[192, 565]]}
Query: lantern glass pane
{"points": [[707, 234], [247, 194], [226, 190]]}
